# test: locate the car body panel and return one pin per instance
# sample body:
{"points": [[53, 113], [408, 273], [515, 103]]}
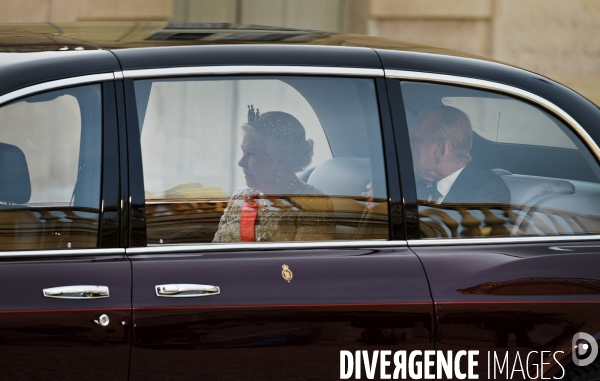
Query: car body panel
{"points": [[266, 55], [63, 338], [337, 299], [19, 70], [526, 297]]}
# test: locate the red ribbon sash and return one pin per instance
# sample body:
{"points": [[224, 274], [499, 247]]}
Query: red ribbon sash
{"points": [[248, 219]]}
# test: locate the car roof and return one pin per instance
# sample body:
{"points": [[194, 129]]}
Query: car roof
{"points": [[123, 35], [139, 45], [36, 53]]}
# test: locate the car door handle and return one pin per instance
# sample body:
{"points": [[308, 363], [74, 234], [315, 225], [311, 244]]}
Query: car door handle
{"points": [[186, 290], [77, 292]]}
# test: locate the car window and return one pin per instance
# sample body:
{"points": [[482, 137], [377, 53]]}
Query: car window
{"points": [[488, 164], [249, 159], [510, 121], [50, 162]]}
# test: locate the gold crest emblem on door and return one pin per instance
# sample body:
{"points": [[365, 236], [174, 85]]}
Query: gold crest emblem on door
{"points": [[286, 273]]}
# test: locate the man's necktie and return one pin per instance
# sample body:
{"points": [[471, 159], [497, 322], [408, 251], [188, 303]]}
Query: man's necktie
{"points": [[433, 194]]}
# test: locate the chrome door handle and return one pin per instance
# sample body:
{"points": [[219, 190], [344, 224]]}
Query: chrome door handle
{"points": [[186, 290], [76, 292]]}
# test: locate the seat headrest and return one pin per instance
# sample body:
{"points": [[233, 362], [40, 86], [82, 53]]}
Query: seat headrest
{"points": [[15, 186], [304, 175], [342, 176], [501, 172], [529, 190]]}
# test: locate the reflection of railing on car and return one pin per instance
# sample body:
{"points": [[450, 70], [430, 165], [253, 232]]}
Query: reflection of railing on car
{"points": [[196, 220], [501, 220], [183, 220], [48, 227]]}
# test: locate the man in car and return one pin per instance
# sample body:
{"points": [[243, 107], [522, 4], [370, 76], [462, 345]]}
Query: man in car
{"points": [[441, 142]]}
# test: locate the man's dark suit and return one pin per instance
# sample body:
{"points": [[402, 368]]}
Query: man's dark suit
{"points": [[475, 186], [478, 186]]}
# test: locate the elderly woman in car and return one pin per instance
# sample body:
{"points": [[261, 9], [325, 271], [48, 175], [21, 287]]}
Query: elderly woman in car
{"points": [[275, 205]]}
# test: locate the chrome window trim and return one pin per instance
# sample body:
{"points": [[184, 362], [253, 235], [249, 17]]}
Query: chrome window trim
{"points": [[51, 85], [212, 247], [231, 70], [490, 85], [60, 253], [500, 240]]}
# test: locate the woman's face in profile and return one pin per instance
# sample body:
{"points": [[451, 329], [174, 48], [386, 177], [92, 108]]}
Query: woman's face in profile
{"points": [[259, 168]]}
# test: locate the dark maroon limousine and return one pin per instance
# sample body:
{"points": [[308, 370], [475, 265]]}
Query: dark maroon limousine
{"points": [[214, 202]]}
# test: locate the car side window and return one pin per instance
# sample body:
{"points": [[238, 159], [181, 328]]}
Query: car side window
{"points": [[261, 159], [488, 164], [50, 163]]}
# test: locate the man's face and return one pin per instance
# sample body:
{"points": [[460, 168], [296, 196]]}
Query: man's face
{"points": [[426, 158]]}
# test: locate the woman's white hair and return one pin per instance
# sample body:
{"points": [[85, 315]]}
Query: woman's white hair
{"points": [[284, 138]]}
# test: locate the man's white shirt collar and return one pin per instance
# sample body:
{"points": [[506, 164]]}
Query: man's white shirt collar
{"points": [[444, 185]]}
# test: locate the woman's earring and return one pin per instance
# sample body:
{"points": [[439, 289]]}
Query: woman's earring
{"points": [[277, 179]]}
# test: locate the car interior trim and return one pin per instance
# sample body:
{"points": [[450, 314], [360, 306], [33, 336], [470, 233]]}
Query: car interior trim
{"points": [[500, 240], [61, 253], [490, 85], [262, 246], [230, 70], [55, 85]]}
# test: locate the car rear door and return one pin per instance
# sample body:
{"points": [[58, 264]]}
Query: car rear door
{"points": [[269, 309], [65, 305], [516, 280]]}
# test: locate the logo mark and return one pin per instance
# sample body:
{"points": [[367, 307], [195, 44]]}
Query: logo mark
{"points": [[583, 344], [286, 273]]}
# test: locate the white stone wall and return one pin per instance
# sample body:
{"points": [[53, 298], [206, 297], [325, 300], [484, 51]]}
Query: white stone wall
{"points": [[556, 38], [12, 11]]}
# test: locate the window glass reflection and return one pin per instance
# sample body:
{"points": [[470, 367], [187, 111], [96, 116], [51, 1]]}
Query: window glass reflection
{"points": [[259, 159], [490, 165], [275, 205], [50, 163]]}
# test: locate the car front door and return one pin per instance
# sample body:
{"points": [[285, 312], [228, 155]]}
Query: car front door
{"points": [[328, 270], [65, 307]]}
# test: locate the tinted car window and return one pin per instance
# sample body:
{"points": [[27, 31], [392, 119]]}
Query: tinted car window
{"points": [[243, 159], [487, 164], [510, 121], [50, 162]]}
